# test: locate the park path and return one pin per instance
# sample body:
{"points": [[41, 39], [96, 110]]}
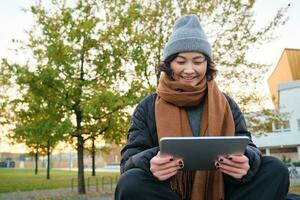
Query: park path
{"points": [[56, 194]]}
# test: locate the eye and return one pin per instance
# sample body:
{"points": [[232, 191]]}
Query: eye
{"points": [[180, 62], [198, 63]]}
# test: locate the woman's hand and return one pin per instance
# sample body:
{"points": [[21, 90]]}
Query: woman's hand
{"points": [[236, 166], [164, 167]]}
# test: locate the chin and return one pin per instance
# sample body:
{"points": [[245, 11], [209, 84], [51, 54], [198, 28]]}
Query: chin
{"points": [[192, 83]]}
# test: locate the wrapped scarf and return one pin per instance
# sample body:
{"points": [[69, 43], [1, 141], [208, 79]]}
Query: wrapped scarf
{"points": [[172, 120]]}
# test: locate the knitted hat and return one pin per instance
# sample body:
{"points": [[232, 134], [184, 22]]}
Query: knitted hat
{"points": [[187, 35]]}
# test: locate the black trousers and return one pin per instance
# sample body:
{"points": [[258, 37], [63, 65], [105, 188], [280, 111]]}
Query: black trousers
{"points": [[270, 183]]}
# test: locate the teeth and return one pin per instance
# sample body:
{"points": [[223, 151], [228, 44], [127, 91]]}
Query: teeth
{"points": [[188, 78]]}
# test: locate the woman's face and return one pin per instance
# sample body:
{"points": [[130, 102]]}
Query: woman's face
{"points": [[189, 67]]}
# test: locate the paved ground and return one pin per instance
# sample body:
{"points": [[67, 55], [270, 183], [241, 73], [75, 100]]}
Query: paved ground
{"points": [[57, 194]]}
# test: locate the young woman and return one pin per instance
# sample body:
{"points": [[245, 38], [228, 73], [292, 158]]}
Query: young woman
{"points": [[188, 102]]}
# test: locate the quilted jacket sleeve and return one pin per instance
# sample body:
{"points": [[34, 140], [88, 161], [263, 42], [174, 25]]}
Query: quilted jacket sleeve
{"points": [[141, 143], [252, 152]]}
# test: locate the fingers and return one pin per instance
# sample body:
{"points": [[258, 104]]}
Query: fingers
{"points": [[164, 167], [234, 171], [238, 161], [160, 160], [166, 173], [154, 166], [238, 158], [237, 175], [236, 166]]}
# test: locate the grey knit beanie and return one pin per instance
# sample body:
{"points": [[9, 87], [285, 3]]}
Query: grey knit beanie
{"points": [[187, 35]]}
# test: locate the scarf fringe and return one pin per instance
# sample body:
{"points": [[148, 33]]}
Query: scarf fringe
{"points": [[182, 184]]}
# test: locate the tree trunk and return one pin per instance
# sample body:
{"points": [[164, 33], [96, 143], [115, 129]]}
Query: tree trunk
{"points": [[36, 160], [48, 159], [80, 148], [81, 183], [93, 157], [80, 139]]}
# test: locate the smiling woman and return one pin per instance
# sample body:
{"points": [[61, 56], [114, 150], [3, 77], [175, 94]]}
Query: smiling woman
{"points": [[188, 103]]}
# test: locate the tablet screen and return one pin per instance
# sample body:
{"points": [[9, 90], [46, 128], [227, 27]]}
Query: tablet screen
{"points": [[200, 153]]}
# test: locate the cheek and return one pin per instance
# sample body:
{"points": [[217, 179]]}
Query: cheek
{"points": [[202, 70], [176, 69]]}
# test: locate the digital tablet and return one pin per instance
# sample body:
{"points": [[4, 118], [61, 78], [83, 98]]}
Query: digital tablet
{"points": [[200, 153]]}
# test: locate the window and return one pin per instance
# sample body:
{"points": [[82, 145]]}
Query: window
{"points": [[276, 127], [286, 125], [298, 122], [282, 126]]}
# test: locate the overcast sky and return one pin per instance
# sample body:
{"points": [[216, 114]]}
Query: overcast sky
{"points": [[13, 23]]}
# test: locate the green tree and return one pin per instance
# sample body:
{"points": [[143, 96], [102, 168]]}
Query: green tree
{"points": [[39, 120], [109, 120], [84, 71]]}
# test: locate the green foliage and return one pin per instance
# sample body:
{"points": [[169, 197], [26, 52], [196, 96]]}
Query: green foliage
{"points": [[230, 25], [262, 122], [296, 164], [75, 71], [287, 161]]}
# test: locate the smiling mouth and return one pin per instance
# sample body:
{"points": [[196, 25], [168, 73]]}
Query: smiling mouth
{"points": [[190, 78]]}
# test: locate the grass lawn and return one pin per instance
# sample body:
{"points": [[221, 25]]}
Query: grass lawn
{"points": [[295, 189], [14, 180]]}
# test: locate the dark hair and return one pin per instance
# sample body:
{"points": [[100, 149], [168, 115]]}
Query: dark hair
{"points": [[165, 66]]}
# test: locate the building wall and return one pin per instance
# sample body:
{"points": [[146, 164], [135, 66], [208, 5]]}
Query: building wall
{"points": [[289, 101], [285, 142], [287, 69], [281, 74]]}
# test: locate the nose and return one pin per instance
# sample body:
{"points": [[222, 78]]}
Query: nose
{"points": [[189, 69]]}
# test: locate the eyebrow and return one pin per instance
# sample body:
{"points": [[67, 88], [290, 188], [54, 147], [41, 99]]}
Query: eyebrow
{"points": [[193, 58]]}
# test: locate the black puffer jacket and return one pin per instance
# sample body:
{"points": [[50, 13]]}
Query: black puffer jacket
{"points": [[142, 142]]}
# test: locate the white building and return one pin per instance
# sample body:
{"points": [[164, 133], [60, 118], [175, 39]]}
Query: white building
{"points": [[284, 84]]}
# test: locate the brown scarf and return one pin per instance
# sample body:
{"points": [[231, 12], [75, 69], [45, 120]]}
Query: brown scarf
{"points": [[172, 120]]}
